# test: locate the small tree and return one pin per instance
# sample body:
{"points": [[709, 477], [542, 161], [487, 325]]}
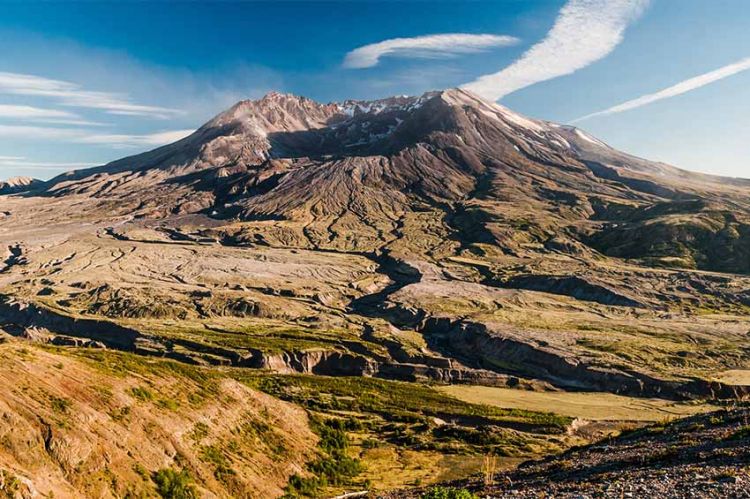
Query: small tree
{"points": [[489, 468]]}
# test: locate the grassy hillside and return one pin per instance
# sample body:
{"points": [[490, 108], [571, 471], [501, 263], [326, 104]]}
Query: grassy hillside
{"points": [[125, 426]]}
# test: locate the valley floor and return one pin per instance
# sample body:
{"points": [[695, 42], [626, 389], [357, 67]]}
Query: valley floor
{"points": [[590, 406]]}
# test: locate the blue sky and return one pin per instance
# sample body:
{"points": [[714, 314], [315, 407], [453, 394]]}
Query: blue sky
{"points": [[85, 83]]}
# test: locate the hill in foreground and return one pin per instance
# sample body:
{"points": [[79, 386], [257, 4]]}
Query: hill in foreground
{"points": [[701, 456]]}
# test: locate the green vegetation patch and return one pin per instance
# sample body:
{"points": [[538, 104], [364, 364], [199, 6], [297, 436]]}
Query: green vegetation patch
{"points": [[141, 393], [60, 405], [267, 335], [123, 364], [332, 468], [222, 466], [740, 434], [171, 484], [371, 412], [395, 400], [448, 493]]}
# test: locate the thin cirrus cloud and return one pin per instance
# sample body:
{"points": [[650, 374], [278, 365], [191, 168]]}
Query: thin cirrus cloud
{"points": [[43, 115], [584, 32], [23, 163], [73, 95], [675, 90], [30, 132], [123, 140], [425, 47], [83, 136], [30, 112]]}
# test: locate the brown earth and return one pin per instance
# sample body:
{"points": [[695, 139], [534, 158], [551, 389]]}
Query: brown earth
{"points": [[73, 428]]}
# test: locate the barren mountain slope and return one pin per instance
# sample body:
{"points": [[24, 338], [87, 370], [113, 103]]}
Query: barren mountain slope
{"points": [[335, 176]]}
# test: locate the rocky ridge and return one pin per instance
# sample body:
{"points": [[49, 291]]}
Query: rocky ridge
{"points": [[19, 184]]}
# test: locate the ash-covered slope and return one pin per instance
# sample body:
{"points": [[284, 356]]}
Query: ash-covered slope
{"points": [[351, 175]]}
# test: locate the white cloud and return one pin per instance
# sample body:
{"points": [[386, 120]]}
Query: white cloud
{"points": [[73, 95], [37, 132], [82, 136], [43, 115], [675, 90], [9, 111], [76, 122], [427, 47], [124, 140], [21, 162], [584, 32]]}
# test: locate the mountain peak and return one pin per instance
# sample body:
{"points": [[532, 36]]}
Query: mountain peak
{"points": [[276, 95], [276, 112], [463, 97], [286, 112]]}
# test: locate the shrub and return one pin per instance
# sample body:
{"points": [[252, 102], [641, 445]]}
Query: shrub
{"points": [[741, 434], [222, 468], [141, 393], [171, 484], [370, 443], [448, 493], [168, 404], [9, 485], [200, 431], [60, 405], [333, 468]]}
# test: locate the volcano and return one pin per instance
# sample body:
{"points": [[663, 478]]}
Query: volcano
{"points": [[347, 176]]}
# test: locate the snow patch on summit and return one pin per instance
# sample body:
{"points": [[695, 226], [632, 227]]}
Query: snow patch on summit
{"points": [[491, 110], [351, 108]]}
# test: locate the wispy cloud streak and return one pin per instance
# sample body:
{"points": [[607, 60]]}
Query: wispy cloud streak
{"points": [[425, 47], [30, 112], [38, 132], [73, 95], [42, 115], [675, 90], [82, 136], [21, 162], [584, 32], [124, 140]]}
